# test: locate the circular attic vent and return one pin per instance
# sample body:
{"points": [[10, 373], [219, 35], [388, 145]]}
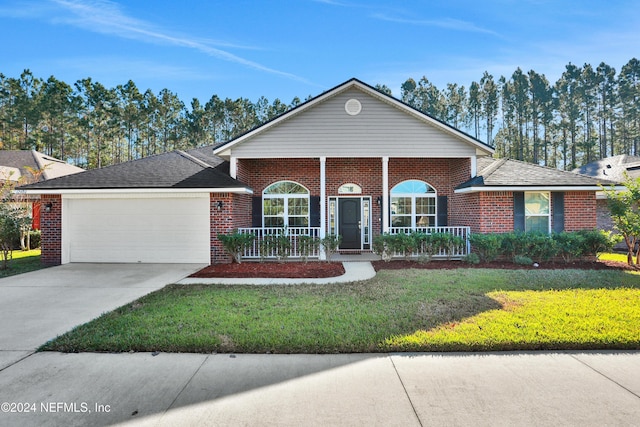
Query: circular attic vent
{"points": [[353, 107]]}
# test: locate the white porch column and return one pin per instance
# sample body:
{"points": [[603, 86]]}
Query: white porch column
{"points": [[233, 167], [385, 194], [474, 166], [323, 203]]}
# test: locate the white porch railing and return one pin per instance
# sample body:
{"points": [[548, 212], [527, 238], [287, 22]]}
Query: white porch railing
{"points": [[293, 233], [458, 253]]}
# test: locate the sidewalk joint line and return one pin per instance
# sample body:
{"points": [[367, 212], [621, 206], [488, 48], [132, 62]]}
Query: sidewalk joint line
{"points": [[17, 361], [185, 385], [405, 390], [605, 376]]}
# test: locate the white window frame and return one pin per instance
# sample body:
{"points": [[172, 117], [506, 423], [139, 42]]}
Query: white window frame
{"points": [[413, 196], [286, 197], [534, 215]]}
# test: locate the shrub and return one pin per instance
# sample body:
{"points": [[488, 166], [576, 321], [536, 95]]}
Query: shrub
{"points": [[541, 247], [330, 243], [522, 260], [596, 241], [425, 246], [515, 243], [236, 243], [571, 245], [383, 246], [277, 245], [472, 258], [307, 245], [34, 239], [487, 246], [404, 244]]}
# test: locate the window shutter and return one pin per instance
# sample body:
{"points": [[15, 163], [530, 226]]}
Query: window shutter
{"points": [[314, 211], [518, 211], [256, 211], [557, 204], [443, 212]]}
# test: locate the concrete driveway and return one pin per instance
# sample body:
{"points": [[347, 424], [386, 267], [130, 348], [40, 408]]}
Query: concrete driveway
{"points": [[38, 306]]}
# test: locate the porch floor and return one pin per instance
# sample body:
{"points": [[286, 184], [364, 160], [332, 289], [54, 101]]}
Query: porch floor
{"points": [[355, 257]]}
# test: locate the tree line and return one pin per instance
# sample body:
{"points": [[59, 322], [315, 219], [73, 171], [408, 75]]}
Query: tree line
{"points": [[586, 115], [91, 126]]}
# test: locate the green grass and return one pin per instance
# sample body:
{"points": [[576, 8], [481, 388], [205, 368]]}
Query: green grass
{"points": [[23, 262], [613, 257], [410, 310]]}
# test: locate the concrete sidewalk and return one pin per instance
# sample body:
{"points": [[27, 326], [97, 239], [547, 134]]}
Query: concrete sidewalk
{"points": [[354, 271], [488, 389]]}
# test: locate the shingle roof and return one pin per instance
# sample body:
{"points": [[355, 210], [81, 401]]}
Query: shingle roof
{"points": [[15, 164], [612, 168], [197, 168], [515, 173]]}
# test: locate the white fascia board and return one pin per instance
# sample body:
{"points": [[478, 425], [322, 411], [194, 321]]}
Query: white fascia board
{"points": [[530, 188], [175, 191]]}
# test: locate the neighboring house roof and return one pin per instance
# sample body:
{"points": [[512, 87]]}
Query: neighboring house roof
{"points": [[179, 170], [514, 175], [15, 164], [612, 168], [333, 122]]}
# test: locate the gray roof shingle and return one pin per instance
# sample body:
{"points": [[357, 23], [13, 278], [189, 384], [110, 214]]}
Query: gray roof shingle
{"points": [[197, 168], [612, 168], [508, 173]]}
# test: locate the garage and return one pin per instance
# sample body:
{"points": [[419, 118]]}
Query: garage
{"points": [[145, 228]]}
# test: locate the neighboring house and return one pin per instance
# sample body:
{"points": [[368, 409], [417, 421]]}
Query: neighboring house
{"points": [[614, 169], [19, 167], [352, 161]]}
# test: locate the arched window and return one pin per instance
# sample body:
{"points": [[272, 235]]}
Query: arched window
{"points": [[413, 204], [285, 203]]}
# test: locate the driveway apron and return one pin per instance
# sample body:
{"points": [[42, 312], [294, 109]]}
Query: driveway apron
{"points": [[38, 306]]}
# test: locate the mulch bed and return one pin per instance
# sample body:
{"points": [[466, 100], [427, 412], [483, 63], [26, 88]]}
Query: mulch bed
{"points": [[506, 265], [280, 270], [314, 269]]}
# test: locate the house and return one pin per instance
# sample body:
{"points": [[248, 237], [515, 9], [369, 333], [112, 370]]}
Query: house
{"points": [[27, 166], [352, 161], [615, 169]]}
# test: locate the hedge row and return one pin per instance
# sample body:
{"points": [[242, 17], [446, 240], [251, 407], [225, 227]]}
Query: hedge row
{"points": [[525, 248]]}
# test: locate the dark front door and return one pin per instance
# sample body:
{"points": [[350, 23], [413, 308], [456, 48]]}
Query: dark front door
{"points": [[349, 222]]}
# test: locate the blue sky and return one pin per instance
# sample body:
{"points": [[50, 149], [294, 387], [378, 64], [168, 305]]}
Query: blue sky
{"points": [[283, 49]]}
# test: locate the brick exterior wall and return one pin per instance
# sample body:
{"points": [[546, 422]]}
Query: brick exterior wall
{"points": [[492, 212], [580, 210], [443, 174], [51, 228], [603, 215], [235, 213]]}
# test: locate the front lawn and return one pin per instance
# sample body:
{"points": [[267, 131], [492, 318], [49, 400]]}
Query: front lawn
{"points": [[398, 310], [22, 262]]}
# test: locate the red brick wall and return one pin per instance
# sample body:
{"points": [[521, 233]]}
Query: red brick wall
{"points": [[51, 228], [235, 213], [580, 211], [494, 211], [443, 174], [260, 173]]}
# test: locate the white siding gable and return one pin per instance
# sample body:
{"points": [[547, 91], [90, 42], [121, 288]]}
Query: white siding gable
{"points": [[326, 129]]}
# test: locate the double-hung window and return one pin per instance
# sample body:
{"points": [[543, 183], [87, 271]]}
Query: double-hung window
{"points": [[537, 211], [285, 203]]}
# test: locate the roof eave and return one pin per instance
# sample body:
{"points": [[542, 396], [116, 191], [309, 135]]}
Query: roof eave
{"points": [[234, 190], [493, 188]]}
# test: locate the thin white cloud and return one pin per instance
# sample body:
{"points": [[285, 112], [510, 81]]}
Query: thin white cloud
{"points": [[446, 23], [107, 17]]}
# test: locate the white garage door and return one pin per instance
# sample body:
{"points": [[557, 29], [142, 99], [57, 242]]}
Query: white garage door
{"points": [[150, 230]]}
